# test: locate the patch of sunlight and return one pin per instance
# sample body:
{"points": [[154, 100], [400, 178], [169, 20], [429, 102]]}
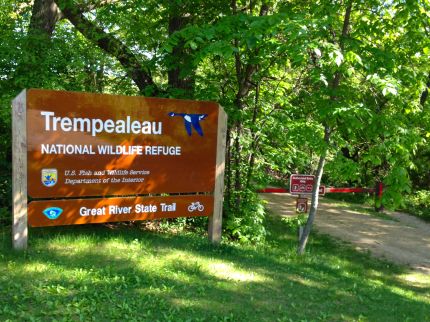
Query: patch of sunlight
{"points": [[115, 247], [161, 262], [69, 244], [416, 279], [229, 272], [220, 305], [67, 249], [306, 282], [121, 245], [67, 275], [187, 257], [36, 267], [410, 294]]}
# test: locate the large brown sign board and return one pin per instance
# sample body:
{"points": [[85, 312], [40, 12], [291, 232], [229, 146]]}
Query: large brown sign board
{"points": [[99, 145], [90, 158]]}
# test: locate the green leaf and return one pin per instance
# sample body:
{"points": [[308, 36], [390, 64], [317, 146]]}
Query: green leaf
{"points": [[339, 58]]}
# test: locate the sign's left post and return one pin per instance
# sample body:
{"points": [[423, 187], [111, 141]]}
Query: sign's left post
{"points": [[19, 172]]}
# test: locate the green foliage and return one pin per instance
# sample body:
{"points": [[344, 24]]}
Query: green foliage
{"points": [[397, 184], [356, 198], [196, 224], [5, 166], [246, 224], [418, 204], [296, 221], [6, 200], [5, 216]]}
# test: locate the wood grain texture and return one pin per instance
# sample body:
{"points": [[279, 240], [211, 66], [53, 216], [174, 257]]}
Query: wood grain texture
{"points": [[19, 172], [215, 221]]}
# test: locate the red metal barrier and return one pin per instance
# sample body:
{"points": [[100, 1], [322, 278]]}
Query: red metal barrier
{"points": [[272, 190], [327, 190], [349, 190], [380, 189]]}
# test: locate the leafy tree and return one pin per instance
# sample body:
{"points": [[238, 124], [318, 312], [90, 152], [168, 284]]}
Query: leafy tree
{"points": [[305, 84]]}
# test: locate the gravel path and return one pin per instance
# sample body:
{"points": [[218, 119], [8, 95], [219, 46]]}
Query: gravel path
{"points": [[404, 240]]}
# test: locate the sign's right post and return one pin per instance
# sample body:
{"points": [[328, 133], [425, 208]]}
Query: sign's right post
{"points": [[215, 221]]}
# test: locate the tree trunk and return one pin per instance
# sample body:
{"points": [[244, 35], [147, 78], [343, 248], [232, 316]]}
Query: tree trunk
{"points": [[244, 74], [315, 196], [327, 134], [135, 68], [178, 78], [425, 93], [228, 162], [237, 161], [254, 141], [44, 16]]}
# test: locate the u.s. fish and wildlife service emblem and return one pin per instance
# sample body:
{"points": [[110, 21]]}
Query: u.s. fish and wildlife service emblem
{"points": [[49, 177]]}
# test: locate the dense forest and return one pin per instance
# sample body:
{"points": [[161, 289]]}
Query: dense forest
{"points": [[338, 89]]}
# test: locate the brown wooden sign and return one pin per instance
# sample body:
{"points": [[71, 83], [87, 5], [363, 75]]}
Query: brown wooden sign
{"points": [[69, 145], [82, 144], [101, 210]]}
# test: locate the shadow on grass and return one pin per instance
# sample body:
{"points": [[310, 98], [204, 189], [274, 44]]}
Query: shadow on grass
{"points": [[94, 272]]}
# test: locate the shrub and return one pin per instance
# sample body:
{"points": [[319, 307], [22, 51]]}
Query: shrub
{"points": [[5, 200], [418, 204], [246, 224], [296, 221]]}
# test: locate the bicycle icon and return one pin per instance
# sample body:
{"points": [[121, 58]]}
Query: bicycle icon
{"points": [[196, 206]]}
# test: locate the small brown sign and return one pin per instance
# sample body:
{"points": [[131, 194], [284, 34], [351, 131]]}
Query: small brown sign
{"points": [[301, 183], [302, 205], [92, 211], [82, 144]]}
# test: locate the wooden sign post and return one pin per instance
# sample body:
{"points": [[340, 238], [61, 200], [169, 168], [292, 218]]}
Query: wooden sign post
{"points": [[215, 222], [132, 158], [19, 172]]}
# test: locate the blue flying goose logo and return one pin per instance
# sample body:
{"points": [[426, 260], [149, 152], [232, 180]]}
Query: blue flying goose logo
{"points": [[191, 121], [52, 212]]}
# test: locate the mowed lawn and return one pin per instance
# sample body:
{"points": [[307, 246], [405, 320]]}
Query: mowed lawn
{"points": [[125, 273]]}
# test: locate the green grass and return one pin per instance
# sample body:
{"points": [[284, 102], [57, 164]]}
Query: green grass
{"points": [[124, 274]]}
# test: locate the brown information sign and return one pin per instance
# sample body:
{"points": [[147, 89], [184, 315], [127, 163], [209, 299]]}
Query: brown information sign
{"points": [[92, 211], [82, 144], [88, 158]]}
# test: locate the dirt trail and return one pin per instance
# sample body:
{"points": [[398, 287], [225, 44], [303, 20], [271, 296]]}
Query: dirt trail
{"points": [[403, 240]]}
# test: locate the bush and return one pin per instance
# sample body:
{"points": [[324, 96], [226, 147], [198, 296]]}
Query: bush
{"points": [[357, 198], [5, 162], [198, 224], [246, 224], [418, 204], [5, 200], [5, 217], [296, 221]]}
